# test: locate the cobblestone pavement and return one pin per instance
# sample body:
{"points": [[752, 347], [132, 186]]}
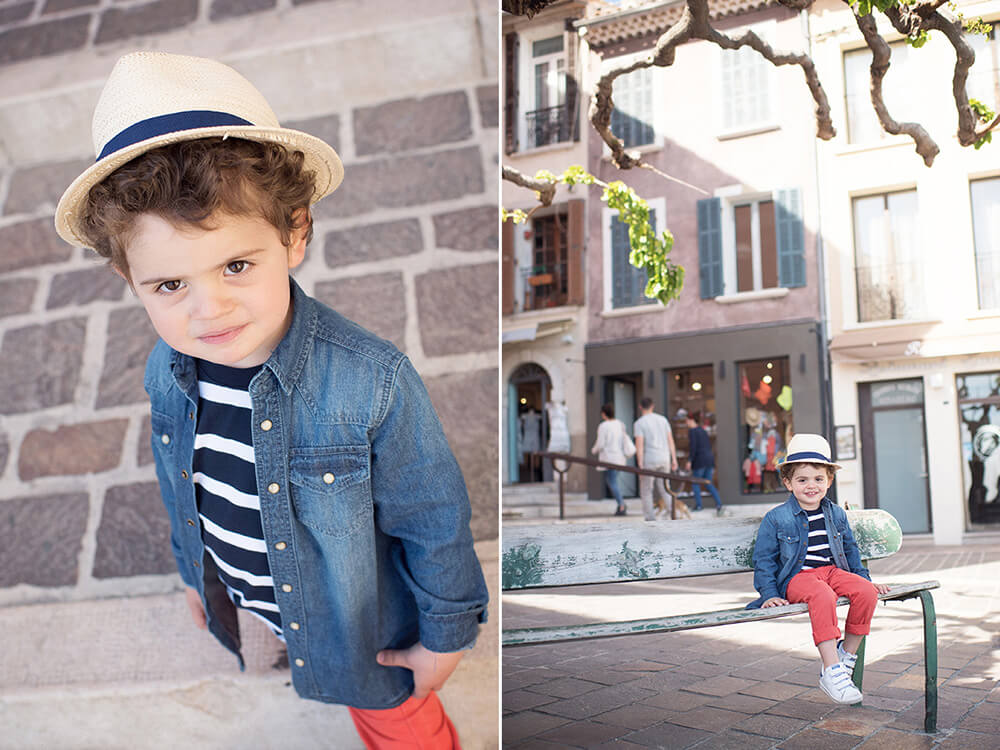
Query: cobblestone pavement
{"points": [[755, 685]]}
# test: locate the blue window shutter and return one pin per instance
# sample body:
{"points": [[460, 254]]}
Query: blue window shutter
{"points": [[628, 283], [710, 247], [632, 117], [791, 238]]}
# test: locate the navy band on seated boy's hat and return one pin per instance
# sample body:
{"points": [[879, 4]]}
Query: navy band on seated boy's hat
{"points": [[152, 99], [806, 448]]}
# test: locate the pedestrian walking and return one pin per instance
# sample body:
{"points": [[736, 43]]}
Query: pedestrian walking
{"points": [[701, 460]]}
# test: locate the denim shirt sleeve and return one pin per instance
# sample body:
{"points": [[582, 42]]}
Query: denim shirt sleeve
{"points": [[766, 560], [420, 499]]}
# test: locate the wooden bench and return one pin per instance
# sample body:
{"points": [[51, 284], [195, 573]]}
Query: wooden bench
{"points": [[548, 555]]}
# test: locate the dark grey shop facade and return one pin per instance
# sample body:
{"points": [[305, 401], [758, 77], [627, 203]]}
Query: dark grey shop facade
{"points": [[751, 386]]}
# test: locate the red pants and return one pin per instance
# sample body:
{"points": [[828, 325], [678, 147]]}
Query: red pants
{"points": [[820, 587], [415, 724]]}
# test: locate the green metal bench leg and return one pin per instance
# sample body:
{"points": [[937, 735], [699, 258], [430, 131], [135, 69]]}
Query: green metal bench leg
{"points": [[859, 665], [930, 663]]}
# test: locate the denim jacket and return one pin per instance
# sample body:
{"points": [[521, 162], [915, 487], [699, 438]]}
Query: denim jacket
{"points": [[379, 557], [781, 545]]}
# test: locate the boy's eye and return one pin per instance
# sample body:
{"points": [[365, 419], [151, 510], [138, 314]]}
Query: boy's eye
{"points": [[238, 266], [170, 286]]}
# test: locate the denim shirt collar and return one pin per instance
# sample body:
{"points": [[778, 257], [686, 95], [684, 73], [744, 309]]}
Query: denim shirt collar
{"points": [[286, 361], [794, 507]]}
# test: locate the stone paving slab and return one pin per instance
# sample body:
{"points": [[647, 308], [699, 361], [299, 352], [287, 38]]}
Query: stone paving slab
{"points": [[755, 685], [134, 673]]}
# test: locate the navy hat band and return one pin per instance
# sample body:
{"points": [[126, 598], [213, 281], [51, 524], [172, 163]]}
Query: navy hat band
{"points": [[165, 124], [803, 455]]}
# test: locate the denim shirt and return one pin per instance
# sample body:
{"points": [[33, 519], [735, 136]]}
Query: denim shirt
{"points": [[363, 506], [781, 545]]}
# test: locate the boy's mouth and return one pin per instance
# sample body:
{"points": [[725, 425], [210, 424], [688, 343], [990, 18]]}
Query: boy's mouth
{"points": [[223, 336]]}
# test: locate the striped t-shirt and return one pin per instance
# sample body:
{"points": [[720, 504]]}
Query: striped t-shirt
{"points": [[226, 489], [818, 547]]}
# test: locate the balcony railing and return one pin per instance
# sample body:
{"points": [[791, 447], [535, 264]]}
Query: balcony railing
{"points": [[544, 286], [548, 126]]}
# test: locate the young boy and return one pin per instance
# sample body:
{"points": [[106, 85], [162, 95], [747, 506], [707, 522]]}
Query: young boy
{"points": [[305, 473], [805, 552]]}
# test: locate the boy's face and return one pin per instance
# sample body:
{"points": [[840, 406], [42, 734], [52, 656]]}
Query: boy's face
{"points": [[809, 484], [220, 295]]}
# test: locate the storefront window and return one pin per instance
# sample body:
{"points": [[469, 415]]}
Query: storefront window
{"points": [[765, 422], [979, 424]]}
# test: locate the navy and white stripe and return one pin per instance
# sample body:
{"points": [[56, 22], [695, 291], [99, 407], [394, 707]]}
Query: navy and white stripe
{"points": [[226, 489], [818, 551]]}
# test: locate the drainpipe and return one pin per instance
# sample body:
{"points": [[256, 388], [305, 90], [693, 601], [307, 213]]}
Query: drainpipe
{"points": [[825, 369]]}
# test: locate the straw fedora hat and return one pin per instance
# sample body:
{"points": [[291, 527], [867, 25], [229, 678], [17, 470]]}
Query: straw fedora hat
{"points": [[805, 448], [152, 99]]}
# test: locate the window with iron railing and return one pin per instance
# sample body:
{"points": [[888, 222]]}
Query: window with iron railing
{"points": [[887, 268]]}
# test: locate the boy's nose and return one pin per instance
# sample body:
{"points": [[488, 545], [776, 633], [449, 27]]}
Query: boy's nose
{"points": [[210, 304]]}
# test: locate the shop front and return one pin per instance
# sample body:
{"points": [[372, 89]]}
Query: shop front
{"points": [[750, 387]]}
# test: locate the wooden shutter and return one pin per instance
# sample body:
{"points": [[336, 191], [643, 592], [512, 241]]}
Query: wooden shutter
{"points": [[575, 292], [710, 247], [507, 268], [628, 283], [572, 47], [791, 239], [511, 47], [632, 117]]}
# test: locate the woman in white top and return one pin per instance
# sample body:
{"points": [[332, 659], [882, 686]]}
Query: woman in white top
{"points": [[609, 447]]}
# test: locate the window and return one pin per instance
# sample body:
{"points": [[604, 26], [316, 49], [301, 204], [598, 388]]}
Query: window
{"points": [[897, 90], [626, 285], [986, 230], [765, 422], [750, 243], [979, 425], [983, 82], [546, 118], [546, 278], [633, 116], [887, 266], [746, 86]]}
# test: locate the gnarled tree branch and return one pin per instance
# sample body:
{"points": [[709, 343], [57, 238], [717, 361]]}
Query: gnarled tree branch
{"points": [[881, 53], [546, 190]]}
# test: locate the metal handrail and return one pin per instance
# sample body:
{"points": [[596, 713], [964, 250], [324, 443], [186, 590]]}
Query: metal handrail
{"points": [[570, 458]]}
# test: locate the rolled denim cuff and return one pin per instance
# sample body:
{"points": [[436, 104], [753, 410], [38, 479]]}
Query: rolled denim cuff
{"points": [[454, 632]]}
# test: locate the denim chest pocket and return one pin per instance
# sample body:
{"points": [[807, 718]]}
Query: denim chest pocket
{"points": [[164, 434], [331, 489]]}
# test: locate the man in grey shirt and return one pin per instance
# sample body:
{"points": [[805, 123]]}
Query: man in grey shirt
{"points": [[654, 446]]}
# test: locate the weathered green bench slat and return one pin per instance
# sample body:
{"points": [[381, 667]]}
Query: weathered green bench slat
{"points": [[561, 555], [673, 623]]}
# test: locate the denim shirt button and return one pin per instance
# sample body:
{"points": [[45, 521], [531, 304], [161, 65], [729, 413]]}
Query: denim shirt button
{"points": [[294, 625], [165, 439], [190, 522], [273, 488], [184, 474], [328, 478], [286, 587], [266, 425], [300, 663], [280, 546]]}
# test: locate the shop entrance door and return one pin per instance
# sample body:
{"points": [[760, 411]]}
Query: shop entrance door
{"points": [[527, 429], [894, 451], [620, 391]]}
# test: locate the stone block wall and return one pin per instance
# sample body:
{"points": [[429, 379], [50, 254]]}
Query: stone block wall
{"points": [[407, 247]]}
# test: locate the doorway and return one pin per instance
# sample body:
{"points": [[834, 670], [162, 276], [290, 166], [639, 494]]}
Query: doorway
{"points": [[527, 424], [620, 391], [894, 451]]}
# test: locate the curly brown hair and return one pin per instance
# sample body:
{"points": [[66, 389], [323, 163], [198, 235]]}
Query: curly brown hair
{"points": [[786, 470], [188, 183]]}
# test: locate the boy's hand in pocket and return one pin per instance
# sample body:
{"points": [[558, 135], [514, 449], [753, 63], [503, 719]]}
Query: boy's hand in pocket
{"points": [[194, 604], [430, 669]]}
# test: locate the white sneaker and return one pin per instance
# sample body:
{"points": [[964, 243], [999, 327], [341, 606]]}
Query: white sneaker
{"points": [[836, 682], [846, 658]]}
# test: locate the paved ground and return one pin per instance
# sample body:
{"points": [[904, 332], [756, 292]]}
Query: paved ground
{"points": [[754, 685], [133, 673]]}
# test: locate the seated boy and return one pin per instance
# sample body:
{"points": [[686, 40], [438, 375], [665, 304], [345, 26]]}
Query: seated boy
{"points": [[305, 473], [805, 552]]}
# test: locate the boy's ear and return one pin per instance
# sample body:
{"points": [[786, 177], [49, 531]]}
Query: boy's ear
{"points": [[300, 236]]}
